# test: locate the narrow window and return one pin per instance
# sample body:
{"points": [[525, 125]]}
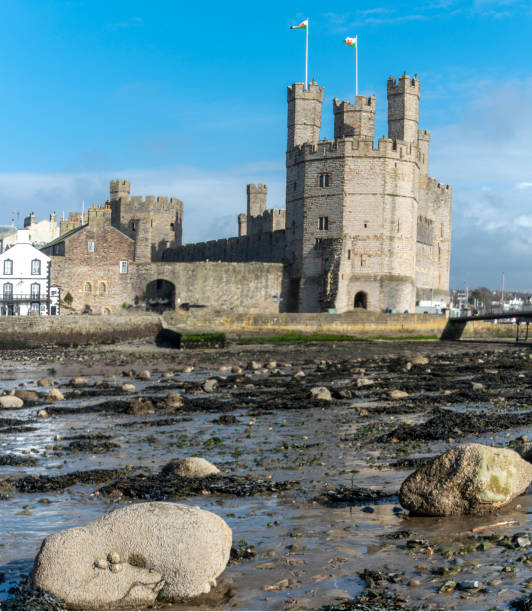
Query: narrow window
{"points": [[318, 243], [8, 266], [123, 267], [8, 290], [365, 225], [172, 227], [102, 288], [323, 223], [87, 287], [362, 261], [35, 291], [325, 180], [348, 253], [36, 266], [295, 186], [90, 246], [133, 226]]}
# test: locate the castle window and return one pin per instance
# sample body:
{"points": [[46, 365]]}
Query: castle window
{"points": [[318, 244], [323, 223], [90, 246], [295, 186], [362, 261], [123, 267], [133, 226], [102, 287], [365, 225], [325, 180], [349, 254], [172, 226], [8, 266], [87, 287], [36, 266]]}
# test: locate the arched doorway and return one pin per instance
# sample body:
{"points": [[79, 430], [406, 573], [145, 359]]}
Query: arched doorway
{"points": [[361, 300], [160, 295]]}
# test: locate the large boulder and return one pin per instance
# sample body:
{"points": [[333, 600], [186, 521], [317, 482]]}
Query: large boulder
{"points": [[190, 467], [467, 479], [184, 547], [11, 401]]}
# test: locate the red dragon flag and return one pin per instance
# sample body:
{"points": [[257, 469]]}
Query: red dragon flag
{"points": [[302, 26]]}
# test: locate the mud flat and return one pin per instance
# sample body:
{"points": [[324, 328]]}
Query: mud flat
{"points": [[308, 486]]}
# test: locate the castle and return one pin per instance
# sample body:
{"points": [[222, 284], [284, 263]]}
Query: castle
{"points": [[364, 226]]}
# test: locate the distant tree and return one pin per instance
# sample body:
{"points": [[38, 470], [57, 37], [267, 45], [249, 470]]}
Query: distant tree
{"points": [[482, 296], [68, 299]]}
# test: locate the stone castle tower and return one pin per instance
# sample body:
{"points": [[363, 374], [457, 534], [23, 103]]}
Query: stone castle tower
{"points": [[154, 223], [365, 225]]}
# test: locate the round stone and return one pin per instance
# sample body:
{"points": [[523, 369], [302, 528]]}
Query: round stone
{"points": [[101, 564], [113, 557]]}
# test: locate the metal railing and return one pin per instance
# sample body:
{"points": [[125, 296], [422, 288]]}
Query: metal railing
{"points": [[23, 297]]}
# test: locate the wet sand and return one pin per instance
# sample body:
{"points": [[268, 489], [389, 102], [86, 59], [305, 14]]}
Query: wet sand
{"points": [[307, 532]]}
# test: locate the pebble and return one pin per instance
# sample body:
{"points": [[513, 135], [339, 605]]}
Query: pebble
{"points": [[188, 369], [54, 395], [116, 567], [144, 375], [113, 557], [128, 387], [101, 564], [42, 414], [469, 584], [414, 583]]}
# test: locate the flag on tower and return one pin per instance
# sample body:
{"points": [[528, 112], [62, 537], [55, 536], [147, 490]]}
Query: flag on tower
{"points": [[351, 42], [302, 26]]}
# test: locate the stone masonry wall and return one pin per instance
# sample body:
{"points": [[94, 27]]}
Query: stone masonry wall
{"points": [[236, 287], [93, 278], [266, 247]]}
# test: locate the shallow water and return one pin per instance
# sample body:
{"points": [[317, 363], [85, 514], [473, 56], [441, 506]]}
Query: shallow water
{"points": [[307, 554]]}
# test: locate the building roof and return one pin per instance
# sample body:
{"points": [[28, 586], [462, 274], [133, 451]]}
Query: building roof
{"points": [[65, 236]]}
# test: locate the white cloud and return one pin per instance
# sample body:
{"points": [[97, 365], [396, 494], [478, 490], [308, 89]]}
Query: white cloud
{"points": [[212, 199]]}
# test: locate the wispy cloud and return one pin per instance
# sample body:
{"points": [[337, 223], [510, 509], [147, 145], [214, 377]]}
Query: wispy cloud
{"points": [[212, 199], [486, 156], [131, 22]]}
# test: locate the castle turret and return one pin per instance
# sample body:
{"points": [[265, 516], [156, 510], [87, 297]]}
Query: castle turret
{"points": [[119, 189], [256, 199], [403, 108], [242, 224], [356, 119], [304, 114]]}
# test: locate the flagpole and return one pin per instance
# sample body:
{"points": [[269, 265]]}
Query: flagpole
{"points": [[356, 70], [306, 56]]}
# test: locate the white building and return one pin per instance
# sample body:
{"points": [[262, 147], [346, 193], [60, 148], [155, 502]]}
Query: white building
{"points": [[25, 282], [37, 233]]}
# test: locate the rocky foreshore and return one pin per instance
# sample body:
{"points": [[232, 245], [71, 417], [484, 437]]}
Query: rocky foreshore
{"points": [[388, 475]]}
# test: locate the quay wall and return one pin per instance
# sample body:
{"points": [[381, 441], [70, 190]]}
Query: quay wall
{"points": [[67, 330], [361, 324]]}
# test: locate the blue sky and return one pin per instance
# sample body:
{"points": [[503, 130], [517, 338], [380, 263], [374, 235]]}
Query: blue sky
{"points": [[188, 100]]}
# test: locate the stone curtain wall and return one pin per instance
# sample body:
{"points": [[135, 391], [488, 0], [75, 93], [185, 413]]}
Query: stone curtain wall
{"points": [[236, 287], [266, 247]]}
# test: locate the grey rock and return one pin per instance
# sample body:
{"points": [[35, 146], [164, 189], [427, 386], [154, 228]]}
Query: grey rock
{"points": [[184, 546], [210, 385], [190, 467], [467, 479], [10, 401], [321, 393], [26, 395]]}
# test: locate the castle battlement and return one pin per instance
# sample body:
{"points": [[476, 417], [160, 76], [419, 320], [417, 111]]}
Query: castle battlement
{"points": [[145, 203], [313, 91], [397, 150], [404, 84]]}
